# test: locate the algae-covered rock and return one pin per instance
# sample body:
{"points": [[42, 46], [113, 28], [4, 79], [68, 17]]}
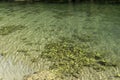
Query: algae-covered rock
{"points": [[69, 58]]}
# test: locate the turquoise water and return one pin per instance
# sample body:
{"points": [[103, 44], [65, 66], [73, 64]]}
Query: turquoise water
{"points": [[47, 22]]}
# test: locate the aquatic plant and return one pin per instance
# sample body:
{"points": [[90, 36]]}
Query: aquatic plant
{"points": [[69, 58], [5, 30]]}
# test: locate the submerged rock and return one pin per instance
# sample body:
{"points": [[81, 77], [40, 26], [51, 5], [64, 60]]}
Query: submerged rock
{"points": [[69, 57]]}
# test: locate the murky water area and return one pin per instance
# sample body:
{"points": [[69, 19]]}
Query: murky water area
{"points": [[26, 29]]}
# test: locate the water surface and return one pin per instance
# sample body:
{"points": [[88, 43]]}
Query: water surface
{"points": [[47, 22]]}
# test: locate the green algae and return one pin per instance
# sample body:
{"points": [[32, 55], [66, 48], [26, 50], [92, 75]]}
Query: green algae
{"points": [[69, 58], [6, 30]]}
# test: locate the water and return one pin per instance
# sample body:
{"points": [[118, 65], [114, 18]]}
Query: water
{"points": [[47, 22]]}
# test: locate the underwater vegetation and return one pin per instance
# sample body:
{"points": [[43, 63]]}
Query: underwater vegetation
{"points": [[5, 30], [68, 58]]}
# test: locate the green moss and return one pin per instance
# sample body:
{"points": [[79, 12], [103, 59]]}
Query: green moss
{"points": [[69, 58], [5, 30]]}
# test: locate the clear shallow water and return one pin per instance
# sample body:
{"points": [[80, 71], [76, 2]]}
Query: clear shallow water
{"points": [[47, 22]]}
